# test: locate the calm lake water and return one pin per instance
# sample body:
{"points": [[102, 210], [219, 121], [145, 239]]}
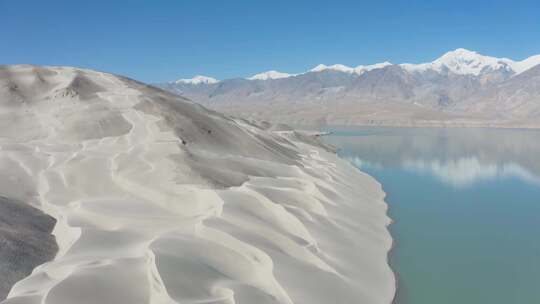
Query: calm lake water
{"points": [[466, 206]]}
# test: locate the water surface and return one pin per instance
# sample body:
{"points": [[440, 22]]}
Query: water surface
{"points": [[466, 205]]}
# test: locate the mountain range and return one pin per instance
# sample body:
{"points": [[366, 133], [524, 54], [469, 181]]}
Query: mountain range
{"points": [[461, 87]]}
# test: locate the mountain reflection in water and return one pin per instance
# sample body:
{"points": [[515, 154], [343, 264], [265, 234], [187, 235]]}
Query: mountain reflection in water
{"points": [[459, 157]]}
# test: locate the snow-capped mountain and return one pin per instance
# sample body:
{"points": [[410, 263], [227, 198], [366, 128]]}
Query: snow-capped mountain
{"points": [[456, 81], [462, 62], [465, 62], [199, 79], [335, 67], [526, 64], [366, 68], [345, 69], [270, 75]]}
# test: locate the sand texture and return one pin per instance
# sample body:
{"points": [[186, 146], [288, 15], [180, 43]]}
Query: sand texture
{"points": [[159, 200]]}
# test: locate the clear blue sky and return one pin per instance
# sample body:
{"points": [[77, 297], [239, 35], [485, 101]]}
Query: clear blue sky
{"points": [[158, 41]]}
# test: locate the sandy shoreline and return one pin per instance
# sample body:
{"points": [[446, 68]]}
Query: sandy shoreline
{"points": [[158, 200], [395, 299]]}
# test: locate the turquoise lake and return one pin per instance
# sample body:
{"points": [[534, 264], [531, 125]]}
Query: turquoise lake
{"points": [[466, 210]]}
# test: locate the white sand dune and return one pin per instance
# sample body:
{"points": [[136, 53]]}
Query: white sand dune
{"points": [[158, 200]]}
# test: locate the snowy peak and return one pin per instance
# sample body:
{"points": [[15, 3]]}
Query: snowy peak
{"points": [[335, 67], [522, 66], [199, 79], [459, 54], [270, 75], [366, 68], [463, 62], [459, 61], [345, 69]]}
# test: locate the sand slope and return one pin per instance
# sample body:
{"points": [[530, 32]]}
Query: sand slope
{"points": [[25, 239], [158, 200]]}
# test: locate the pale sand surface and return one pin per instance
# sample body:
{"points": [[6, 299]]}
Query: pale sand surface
{"points": [[158, 200]]}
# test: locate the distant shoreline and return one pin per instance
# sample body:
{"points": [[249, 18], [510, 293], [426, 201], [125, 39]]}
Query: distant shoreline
{"points": [[392, 117], [417, 125]]}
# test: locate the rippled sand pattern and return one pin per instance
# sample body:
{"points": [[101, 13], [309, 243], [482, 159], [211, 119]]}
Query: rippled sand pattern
{"points": [[158, 200]]}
